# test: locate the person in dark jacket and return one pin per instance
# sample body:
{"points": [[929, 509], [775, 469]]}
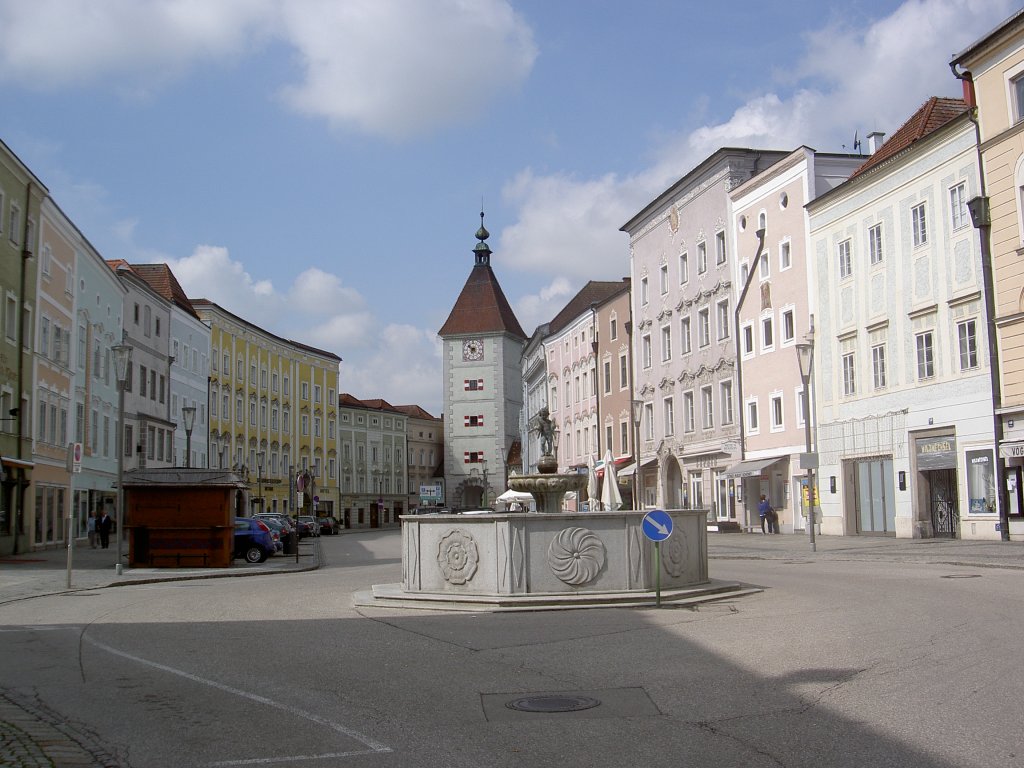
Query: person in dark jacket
{"points": [[103, 527]]}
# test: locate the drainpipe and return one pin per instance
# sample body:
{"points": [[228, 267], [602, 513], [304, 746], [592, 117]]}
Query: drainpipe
{"points": [[26, 254], [754, 269], [983, 223], [597, 384]]}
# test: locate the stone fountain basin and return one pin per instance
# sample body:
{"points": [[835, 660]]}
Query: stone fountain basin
{"points": [[566, 553]]}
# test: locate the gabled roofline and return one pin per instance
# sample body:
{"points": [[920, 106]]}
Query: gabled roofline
{"points": [[987, 38]]}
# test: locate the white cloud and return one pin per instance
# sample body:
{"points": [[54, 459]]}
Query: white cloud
{"points": [[395, 68], [405, 368], [56, 43], [848, 80], [534, 309], [383, 67], [400, 362]]}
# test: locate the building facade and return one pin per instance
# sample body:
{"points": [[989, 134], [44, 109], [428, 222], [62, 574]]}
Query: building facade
{"points": [[535, 397], [374, 474], [21, 195], [613, 358], [993, 69], [773, 314], [99, 304], [273, 411], [53, 380], [681, 265], [902, 385], [424, 448], [482, 345], [189, 369], [148, 426]]}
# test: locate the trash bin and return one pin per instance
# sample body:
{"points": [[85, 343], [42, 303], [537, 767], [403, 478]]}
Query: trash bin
{"points": [[291, 545]]}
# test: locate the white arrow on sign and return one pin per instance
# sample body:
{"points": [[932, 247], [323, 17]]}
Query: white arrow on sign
{"points": [[662, 529]]}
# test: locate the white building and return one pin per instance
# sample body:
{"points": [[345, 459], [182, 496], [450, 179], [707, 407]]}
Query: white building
{"points": [[904, 402], [190, 366], [681, 265], [483, 396]]}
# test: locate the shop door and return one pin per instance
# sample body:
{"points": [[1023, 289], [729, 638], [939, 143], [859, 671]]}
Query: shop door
{"points": [[875, 500], [942, 502]]}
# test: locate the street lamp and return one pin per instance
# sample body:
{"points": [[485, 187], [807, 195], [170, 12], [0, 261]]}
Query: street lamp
{"points": [[122, 361], [188, 415], [260, 457], [483, 497], [638, 410], [805, 359]]}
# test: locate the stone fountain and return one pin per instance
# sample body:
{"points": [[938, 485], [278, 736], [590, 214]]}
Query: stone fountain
{"points": [[548, 559]]}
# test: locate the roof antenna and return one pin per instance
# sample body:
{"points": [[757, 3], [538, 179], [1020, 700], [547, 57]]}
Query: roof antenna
{"points": [[856, 143]]}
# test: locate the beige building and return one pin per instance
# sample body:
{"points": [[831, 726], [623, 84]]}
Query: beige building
{"points": [[993, 72], [425, 446], [273, 411]]}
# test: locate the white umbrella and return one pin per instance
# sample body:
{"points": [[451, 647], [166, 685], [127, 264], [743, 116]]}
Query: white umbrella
{"points": [[592, 482], [610, 497]]}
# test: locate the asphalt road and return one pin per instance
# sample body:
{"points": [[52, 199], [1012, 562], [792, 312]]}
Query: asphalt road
{"points": [[858, 656]]}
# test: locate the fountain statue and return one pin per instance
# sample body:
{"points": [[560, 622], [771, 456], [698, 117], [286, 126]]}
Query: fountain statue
{"points": [[547, 487]]}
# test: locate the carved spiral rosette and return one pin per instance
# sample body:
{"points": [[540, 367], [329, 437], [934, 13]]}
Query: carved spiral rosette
{"points": [[674, 554], [576, 555], [457, 556]]}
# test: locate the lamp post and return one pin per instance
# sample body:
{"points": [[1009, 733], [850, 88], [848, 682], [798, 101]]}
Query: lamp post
{"points": [[638, 410], [805, 359], [260, 457], [483, 497], [188, 415], [122, 359]]}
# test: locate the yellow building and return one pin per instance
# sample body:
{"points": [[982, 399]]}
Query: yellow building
{"points": [[992, 69], [273, 410]]}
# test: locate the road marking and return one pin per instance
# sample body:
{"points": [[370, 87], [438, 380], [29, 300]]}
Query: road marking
{"points": [[295, 758], [373, 746]]}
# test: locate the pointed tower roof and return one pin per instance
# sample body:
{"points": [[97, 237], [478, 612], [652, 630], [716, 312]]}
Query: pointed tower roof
{"points": [[482, 306]]}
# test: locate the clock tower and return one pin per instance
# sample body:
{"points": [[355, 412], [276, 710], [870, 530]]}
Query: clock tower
{"points": [[482, 346]]}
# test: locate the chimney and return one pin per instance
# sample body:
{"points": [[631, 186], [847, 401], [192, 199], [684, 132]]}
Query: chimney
{"points": [[875, 141]]}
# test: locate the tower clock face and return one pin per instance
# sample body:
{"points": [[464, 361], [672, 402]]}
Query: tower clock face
{"points": [[472, 349]]}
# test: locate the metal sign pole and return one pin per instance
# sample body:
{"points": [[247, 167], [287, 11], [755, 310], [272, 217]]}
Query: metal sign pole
{"points": [[657, 574]]}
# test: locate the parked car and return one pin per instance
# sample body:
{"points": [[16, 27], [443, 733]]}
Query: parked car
{"points": [[278, 531], [328, 526], [253, 540], [301, 527], [286, 523], [309, 520]]}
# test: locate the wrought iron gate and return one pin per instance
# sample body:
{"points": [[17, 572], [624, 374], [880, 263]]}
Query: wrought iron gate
{"points": [[942, 500]]}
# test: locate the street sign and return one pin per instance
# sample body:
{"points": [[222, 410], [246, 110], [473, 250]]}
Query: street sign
{"points": [[300, 482], [657, 525], [316, 499]]}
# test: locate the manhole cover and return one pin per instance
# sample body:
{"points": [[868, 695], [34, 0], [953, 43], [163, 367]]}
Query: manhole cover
{"points": [[962, 576], [553, 703]]}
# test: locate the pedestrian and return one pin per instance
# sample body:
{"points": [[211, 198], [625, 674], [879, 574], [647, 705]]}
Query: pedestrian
{"points": [[90, 527], [764, 509], [773, 520], [104, 526]]}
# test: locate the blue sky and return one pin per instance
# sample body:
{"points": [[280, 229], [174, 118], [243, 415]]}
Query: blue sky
{"points": [[318, 166]]}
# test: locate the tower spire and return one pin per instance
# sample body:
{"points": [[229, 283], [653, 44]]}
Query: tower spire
{"points": [[481, 249]]}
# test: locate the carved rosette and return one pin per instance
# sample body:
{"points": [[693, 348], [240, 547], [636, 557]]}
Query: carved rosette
{"points": [[674, 554], [576, 556], [457, 556]]}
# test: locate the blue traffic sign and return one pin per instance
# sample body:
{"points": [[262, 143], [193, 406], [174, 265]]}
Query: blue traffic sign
{"points": [[657, 525]]}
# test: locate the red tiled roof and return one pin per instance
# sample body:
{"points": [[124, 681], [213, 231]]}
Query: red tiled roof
{"points": [[594, 292], [160, 278], [932, 115], [415, 412], [482, 307]]}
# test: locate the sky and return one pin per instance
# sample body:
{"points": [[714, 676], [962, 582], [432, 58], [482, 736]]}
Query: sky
{"points": [[318, 167]]}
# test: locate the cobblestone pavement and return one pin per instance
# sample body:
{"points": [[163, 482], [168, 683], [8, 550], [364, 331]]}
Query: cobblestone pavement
{"points": [[31, 735]]}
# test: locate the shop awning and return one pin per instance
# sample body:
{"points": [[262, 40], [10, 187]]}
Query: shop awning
{"points": [[631, 469], [10, 461], [750, 468]]}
